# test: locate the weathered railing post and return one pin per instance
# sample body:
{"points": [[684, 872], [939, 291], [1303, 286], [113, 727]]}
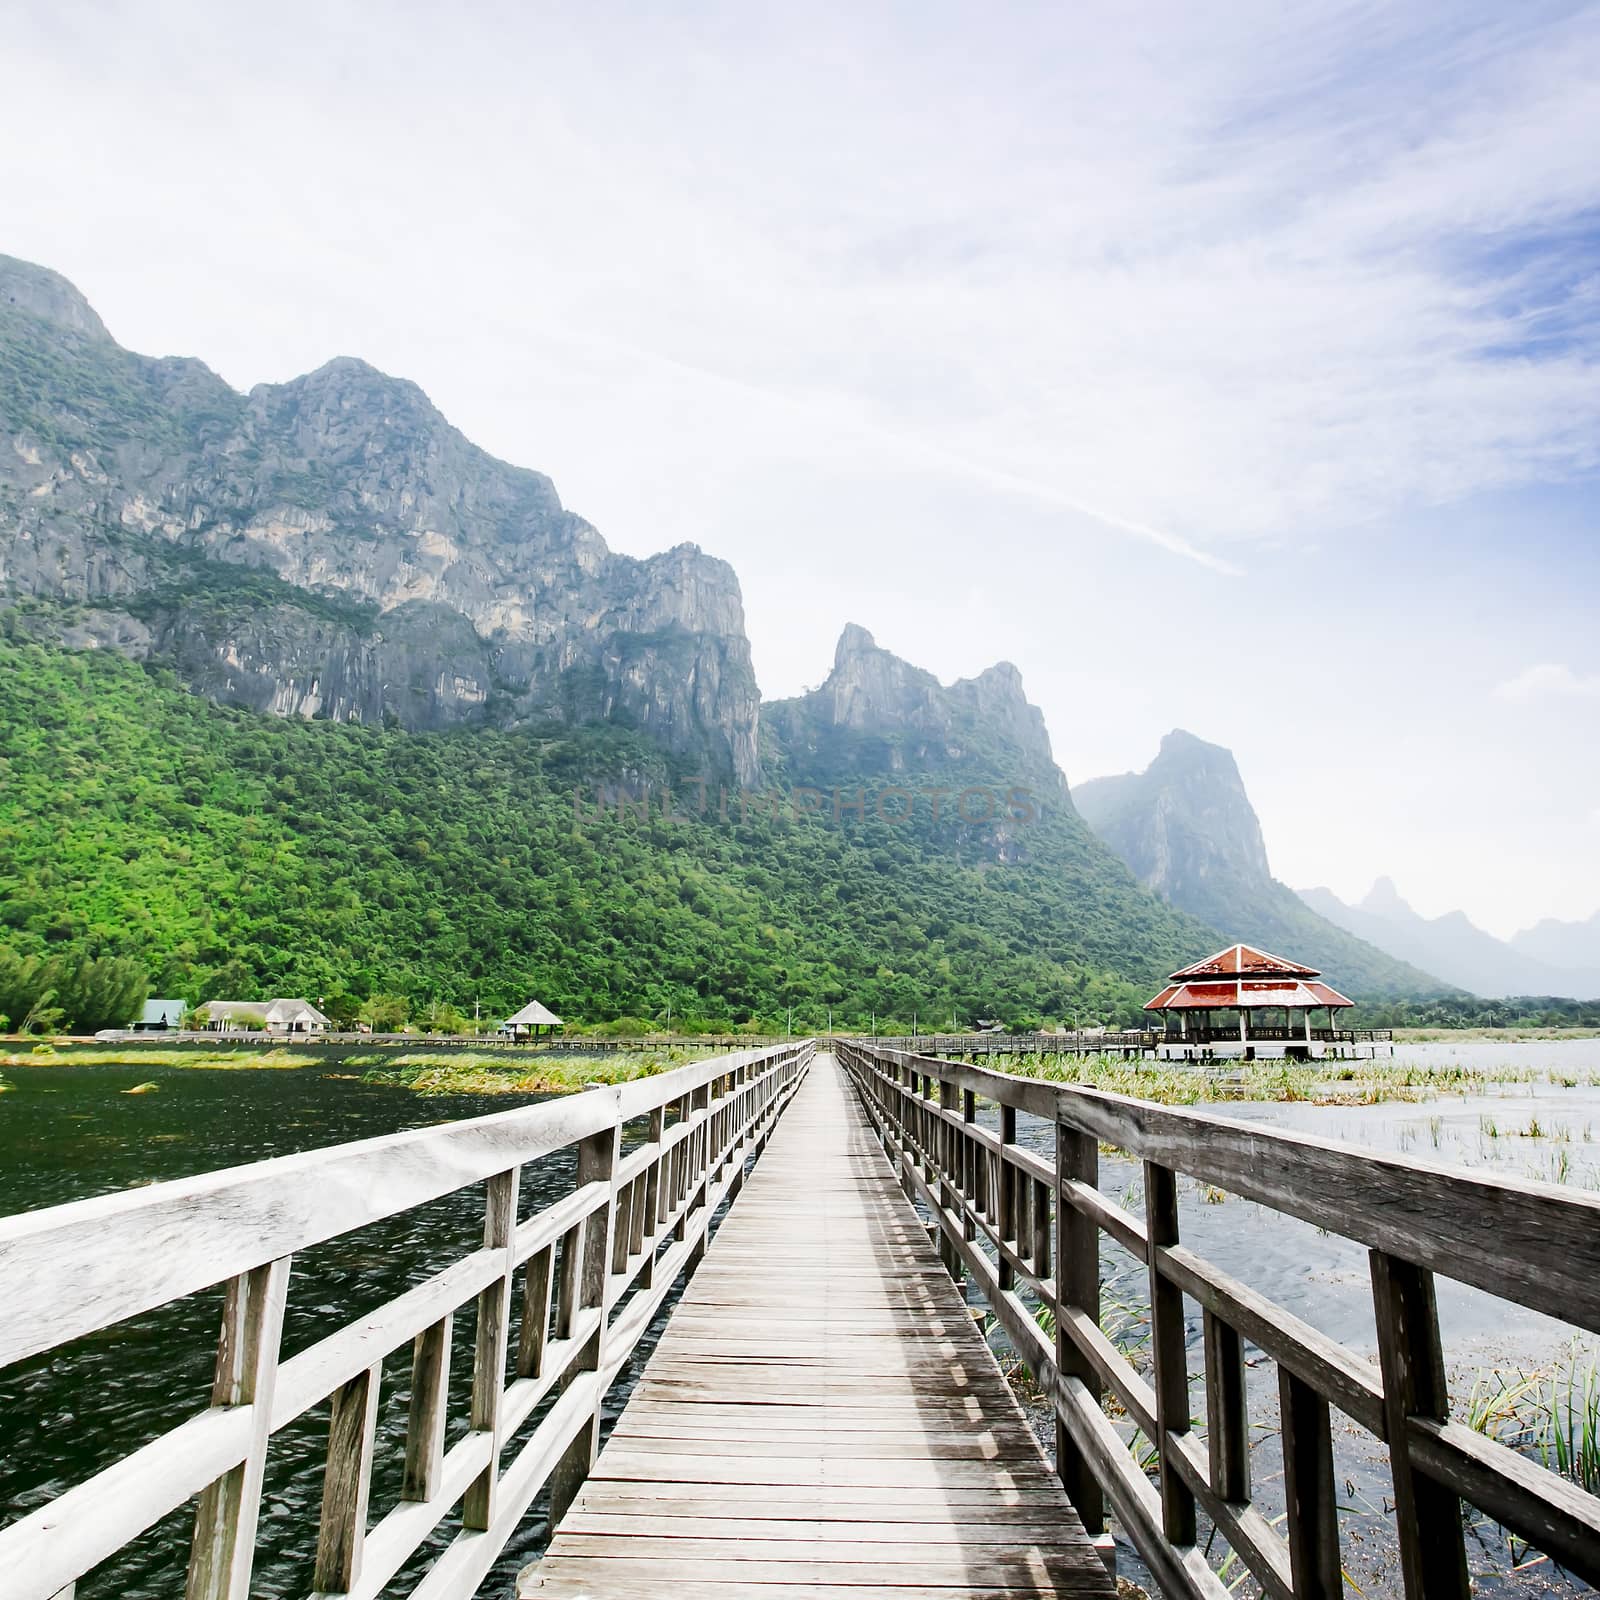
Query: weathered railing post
{"points": [[1313, 1512], [1170, 1351], [430, 1385], [969, 1162], [597, 1163], [1006, 1179], [1433, 1557], [948, 1167], [347, 1482], [1077, 1290], [223, 1551], [489, 1355], [1227, 1410], [700, 1145]]}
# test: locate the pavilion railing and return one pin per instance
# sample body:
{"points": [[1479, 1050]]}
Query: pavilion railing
{"points": [[1023, 1224], [1271, 1033], [595, 1267]]}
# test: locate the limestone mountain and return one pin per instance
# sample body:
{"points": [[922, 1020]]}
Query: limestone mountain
{"points": [[1187, 830], [877, 715], [333, 547], [1454, 947]]}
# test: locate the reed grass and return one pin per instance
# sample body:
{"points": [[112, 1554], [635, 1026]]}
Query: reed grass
{"points": [[1327, 1083], [1552, 1414]]}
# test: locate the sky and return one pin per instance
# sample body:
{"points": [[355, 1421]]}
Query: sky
{"points": [[1227, 367]]}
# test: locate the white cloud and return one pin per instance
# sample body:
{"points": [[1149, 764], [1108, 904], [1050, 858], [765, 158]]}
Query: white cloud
{"points": [[1549, 680], [1225, 277]]}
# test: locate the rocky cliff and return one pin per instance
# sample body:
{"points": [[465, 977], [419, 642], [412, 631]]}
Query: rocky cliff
{"points": [[332, 547], [1186, 828], [877, 715], [1184, 825]]}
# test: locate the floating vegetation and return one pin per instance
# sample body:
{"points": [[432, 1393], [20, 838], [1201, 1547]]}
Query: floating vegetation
{"points": [[463, 1072], [1323, 1083]]}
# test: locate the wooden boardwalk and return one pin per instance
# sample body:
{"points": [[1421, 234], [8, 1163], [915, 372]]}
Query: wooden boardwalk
{"points": [[821, 1418]]}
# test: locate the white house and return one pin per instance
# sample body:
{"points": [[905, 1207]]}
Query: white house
{"points": [[295, 1016], [233, 1016]]}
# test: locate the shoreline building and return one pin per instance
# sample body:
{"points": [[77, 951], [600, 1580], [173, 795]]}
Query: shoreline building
{"points": [[1247, 1002]]}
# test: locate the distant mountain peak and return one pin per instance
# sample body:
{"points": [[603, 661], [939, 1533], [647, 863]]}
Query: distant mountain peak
{"points": [[1186, 828], [1186, 816], [48, 295], [1383, 899], [854, 641], [901, 717]]}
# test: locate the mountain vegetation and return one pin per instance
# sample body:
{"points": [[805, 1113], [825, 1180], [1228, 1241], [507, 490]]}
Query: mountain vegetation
{"points": [[232, 855], [445, 654]]}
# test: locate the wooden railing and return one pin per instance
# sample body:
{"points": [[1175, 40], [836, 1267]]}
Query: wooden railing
{"points": [[595, 1268], [1022, 1224], [572, 1045], [1010, 1044]]}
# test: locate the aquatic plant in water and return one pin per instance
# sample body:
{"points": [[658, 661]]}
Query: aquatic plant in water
{"points": [[1552, 1414]]}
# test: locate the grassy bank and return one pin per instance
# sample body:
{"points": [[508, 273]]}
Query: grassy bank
{"points": [[425, 1071]]}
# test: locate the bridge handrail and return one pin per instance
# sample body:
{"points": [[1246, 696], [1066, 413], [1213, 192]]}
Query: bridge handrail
{"points": [[1016, 1221], [632, 1222]]}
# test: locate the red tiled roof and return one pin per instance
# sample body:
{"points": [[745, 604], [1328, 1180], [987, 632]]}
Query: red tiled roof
{"points": [[1247, 993], [1243, 960]]}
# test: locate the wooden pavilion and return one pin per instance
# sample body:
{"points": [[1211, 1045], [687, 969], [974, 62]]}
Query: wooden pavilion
{"points": [[528, 1022], [1241, 997]]}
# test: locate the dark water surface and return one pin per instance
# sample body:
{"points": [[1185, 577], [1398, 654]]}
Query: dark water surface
{"points": [[70, 1132]]}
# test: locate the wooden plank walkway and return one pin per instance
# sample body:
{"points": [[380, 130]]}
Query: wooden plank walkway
{"points": [[821, 1418]]}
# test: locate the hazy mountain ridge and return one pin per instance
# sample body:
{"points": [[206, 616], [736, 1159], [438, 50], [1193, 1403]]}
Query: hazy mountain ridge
{"points": [[1562, 944], [1454, 947], [1187, 830], [331, 546]]}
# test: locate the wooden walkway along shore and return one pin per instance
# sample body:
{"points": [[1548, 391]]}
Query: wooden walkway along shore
{"points": [[822, 1417]]}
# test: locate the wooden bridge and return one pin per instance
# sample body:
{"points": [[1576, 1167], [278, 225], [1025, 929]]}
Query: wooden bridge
{"points": [[821, 1417]]}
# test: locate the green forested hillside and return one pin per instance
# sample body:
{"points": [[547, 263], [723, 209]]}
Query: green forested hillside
{"points": [[239, 856]]}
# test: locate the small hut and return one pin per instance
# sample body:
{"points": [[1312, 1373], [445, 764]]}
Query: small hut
{"points": [[1241, 997], [528, 1022]]}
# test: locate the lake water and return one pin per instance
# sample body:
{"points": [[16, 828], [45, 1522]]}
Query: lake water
{"points": [[71, 1132], [66, 1133], [1546, 1130]]}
